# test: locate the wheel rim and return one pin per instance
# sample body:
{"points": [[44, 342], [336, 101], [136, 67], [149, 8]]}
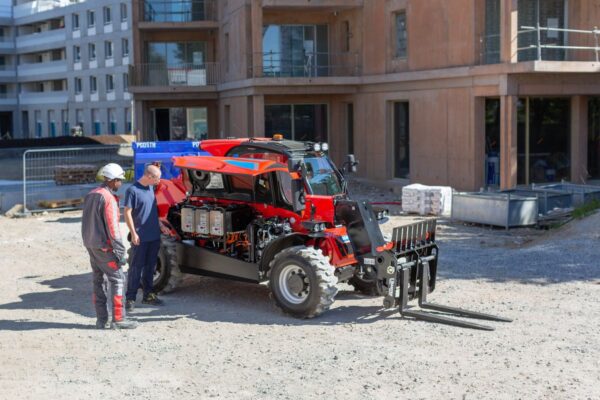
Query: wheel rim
{"points": [[157, 272], [294, 284]]}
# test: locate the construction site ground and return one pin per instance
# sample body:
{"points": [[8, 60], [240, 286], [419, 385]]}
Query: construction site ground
{"points": [[224, 339]]}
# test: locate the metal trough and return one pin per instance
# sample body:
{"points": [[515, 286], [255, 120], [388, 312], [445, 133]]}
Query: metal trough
{"points": [[580, 194], [548, 199], [498, 209]]}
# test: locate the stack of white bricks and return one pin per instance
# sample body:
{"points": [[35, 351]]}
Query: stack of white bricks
{"points": [[427, 200]]}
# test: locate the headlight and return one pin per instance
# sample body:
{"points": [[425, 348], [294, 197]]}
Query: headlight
{"points": [[324, 146], [317, 147]]}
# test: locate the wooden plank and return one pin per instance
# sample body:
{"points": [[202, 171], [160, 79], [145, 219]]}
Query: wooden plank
{"points": [[60, 203]]}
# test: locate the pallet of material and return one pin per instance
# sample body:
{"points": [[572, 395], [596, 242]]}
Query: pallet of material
{"points": [[61, 203], [74, 174]]}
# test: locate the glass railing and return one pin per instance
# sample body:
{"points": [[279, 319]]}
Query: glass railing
{"points": [[304, 64], [179, 10], [175, 75]]}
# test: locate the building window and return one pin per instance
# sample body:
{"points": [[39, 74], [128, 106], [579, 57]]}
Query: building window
{"points": [[107, 15], [108, 49], [346, 36], [112, 120], [491, 41], [91, 16], [401, 141], [76, 53], [123, 12], [543, 139], [75, 21], [97, 123], [296, 50], [79, 120], [303, 122], [58, 85], [110, 83], [93, 84], [125, 82], [92, 51], [401, 35], [77, 85], [125, 47]]}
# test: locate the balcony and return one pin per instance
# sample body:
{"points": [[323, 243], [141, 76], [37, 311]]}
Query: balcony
{"points": [[55, 37], [54, 98], [304, 65], [8, 99], [182, 75], [179, 13], [316, 4], [39, 69], [8, 73], [7, 45], [38, 6], [540, 43]]}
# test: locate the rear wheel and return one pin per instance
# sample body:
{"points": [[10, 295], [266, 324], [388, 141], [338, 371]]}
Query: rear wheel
{"points": [[167, 275], [302, 281]]}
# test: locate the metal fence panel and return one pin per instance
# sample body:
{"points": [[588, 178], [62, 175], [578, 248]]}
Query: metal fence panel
{"points": [[59, 174]]}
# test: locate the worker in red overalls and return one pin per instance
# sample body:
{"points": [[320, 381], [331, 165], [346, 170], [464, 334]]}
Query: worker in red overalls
{"points": [[102, 239]]}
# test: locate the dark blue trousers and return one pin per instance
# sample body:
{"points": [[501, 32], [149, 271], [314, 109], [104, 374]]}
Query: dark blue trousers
{"points": [[141, 268]]}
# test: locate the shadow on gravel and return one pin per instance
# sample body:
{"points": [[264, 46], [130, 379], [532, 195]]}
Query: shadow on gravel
{"points": [[74, 295], [66, 220], [216, 300], [26, 325]]}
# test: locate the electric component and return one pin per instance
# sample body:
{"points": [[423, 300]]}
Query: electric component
{"points": [[216, 217], [202, 220], [187, 219]]}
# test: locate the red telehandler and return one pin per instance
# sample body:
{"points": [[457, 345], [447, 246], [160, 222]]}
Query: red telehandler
{"points": [[277, 210]]}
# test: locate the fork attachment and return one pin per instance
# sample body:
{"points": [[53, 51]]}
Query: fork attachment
{"points": [[423, 275]]}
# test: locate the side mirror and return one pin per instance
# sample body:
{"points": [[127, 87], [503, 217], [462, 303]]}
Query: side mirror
{"points": [[350, 164], [298, 196]]}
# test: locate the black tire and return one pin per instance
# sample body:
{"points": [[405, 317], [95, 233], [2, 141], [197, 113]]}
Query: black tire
{"points": [[302, 281], [167, 275]]}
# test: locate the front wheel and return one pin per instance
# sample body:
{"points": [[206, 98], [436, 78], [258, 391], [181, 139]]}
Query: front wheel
{"points": [[302, 281], [167, 275]]}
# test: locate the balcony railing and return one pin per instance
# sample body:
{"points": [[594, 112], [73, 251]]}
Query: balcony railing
{"points": [[38, 6], [178, 10], [544, 43], [305, 64], [53, 36], [175, 75]]}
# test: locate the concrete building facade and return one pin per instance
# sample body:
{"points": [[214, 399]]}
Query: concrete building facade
{"points": [[64, 64], [468, 93]]}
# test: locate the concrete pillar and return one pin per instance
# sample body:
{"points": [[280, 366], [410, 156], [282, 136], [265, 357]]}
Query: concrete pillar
{"points": [[257, 128], [579, 135], [509, 26], [508, 142], [140, 122], [478, 133], [256, 59]]}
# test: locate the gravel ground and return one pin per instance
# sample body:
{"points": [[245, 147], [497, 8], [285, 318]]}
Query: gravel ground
{"points": [[223, 339]]}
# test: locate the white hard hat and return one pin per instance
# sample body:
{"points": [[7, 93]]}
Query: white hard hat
{"points": [[112, 171]]}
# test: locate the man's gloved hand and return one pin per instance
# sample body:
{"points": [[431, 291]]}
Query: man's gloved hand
{"points": [[122, 262]]}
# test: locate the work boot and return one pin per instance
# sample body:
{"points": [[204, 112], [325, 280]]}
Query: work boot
{"points": [[124, 324], [152, 300], [102, 324], [130, 305]]}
